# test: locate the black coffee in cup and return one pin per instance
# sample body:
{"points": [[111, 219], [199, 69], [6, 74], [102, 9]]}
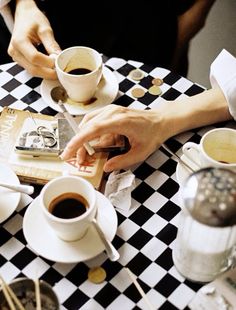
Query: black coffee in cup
{"points": [[68, 206], [79, 71]]}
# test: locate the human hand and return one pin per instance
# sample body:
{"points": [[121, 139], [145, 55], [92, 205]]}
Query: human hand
{"points": [[31, 28], [142, 128], [147, 130]]}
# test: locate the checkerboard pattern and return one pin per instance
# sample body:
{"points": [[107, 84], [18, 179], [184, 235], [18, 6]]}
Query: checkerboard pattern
{"points": [[145, 233]]}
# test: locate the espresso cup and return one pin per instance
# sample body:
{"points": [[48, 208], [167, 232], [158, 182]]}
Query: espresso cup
{"points": [[217, 148], [79, 70], [68, 204]]}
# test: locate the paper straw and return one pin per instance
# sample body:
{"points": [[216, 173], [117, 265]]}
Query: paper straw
{"points": [[133, 278]]}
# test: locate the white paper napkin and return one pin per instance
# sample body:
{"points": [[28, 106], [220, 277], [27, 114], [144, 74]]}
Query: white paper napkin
{"points": [[119, 187]]}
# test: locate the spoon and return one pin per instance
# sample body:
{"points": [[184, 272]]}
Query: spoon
{"points": [[25, 189], [179, 159], [59, 95], [112, 253]]}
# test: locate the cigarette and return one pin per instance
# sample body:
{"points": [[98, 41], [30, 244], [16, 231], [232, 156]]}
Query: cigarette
{"points": [[133, 278]]}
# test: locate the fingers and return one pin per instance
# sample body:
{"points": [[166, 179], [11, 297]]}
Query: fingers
{"points": [[116, 163], [106, 140], [32, 28], [122, 161], [23, 51], [81, 155], [49, 42], [24, 48], [36, 63], [35, 70], [74, 145], [95, 125], [86, 134]]}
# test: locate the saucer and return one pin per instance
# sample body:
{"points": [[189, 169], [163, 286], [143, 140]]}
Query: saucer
{"points": [[182, 172], [106, 93], [42, 239], [9, 199]]}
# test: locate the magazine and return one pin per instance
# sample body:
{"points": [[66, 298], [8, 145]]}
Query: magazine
{"points": [[31, 143]]}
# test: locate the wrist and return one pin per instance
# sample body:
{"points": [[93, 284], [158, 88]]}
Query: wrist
{"points": [[24, 6], [208, 107], [160, 119], [25, 3], [168, 119]]}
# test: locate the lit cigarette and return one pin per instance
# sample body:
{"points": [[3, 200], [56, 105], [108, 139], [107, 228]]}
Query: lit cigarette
{"points": [[133, 278]]}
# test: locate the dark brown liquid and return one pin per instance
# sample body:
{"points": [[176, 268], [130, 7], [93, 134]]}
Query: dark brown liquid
{"points": [[92, 100], [68, 206], [79, 71]]}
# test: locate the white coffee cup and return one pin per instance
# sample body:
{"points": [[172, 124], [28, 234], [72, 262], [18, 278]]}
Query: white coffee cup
{"points": [[217, 148], [79, 70], [68, 204]]}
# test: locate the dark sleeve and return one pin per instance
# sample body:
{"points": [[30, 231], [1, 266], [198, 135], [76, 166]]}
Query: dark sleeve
{"points": [[4, 42], [12, 5]]}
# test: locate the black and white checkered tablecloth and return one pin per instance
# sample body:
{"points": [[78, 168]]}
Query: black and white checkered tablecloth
{"points": [[145, 234]]}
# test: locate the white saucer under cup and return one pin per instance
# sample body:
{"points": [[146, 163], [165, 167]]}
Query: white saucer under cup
{"points": [[44, 242], [9, 199], [105, 94]]}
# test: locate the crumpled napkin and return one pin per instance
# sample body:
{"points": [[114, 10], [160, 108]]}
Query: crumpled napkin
{"points": [[119, 187]]}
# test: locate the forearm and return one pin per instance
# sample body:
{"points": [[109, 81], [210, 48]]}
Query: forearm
{"points": [[191, 21], [203, 109]]}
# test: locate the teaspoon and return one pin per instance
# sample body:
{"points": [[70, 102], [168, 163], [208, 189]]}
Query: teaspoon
{"points": [[179, 159], [59, 95], [111, 251], [25, 189]]}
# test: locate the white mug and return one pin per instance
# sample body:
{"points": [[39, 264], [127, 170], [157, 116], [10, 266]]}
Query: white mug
{"points": [[79, 70], [217, 148], [68, 204]]}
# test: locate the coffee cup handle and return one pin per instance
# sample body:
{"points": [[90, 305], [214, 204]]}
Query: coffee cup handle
{"points": [[186, 151]]}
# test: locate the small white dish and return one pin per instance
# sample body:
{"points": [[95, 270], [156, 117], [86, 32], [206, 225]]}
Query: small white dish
{"points": [[182, 172], [9, 199], [43, 240], [106, 93]]}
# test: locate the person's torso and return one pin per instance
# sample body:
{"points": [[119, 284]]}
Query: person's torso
{"points": [[140, 31]]}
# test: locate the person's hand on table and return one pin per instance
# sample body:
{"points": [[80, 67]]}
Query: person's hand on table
{"points": [[147, 130], [140, 127], [31, 28]]}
